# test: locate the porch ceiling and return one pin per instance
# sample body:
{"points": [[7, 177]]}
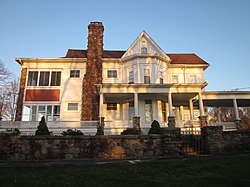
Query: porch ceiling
{"points": [[226, 102]]}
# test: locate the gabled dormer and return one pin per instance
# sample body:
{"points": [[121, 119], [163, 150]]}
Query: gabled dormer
{"points": [[144, 46]]}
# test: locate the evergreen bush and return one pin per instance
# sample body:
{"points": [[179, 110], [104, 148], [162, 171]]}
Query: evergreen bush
{"points": [[72, 132], [100, 130], [155, 128], [42, 128], [132, 131]]}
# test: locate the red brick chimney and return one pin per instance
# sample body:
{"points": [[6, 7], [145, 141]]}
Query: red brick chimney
{"points": [[93, 75]]}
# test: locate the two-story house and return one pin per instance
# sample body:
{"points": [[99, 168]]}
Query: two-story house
{"points": [[123, 88]]}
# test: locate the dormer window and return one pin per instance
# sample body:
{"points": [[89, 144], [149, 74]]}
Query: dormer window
{"points": [[131, 77], [112, 73], [146, 76], [144, 50]]}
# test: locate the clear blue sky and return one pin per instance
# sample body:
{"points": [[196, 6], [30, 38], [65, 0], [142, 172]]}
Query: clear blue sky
{"points": [[216, 30]]}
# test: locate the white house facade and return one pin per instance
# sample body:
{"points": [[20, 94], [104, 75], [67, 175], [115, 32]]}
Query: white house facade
{"points": [[122, 88]]}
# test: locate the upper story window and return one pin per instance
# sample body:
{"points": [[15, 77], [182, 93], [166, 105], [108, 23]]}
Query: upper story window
{"points": [[144, 50], [32, 78], [74, 73], [112, 73], [73, 106], [175, 79], [193, 79], [146, 76], [111, 106], [55, 78], [161, 77], [45, 78], [131, 77]]}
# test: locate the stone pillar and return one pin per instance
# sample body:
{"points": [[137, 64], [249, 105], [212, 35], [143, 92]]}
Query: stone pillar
{"points": [[136, 105], [93, 75], [191, 109], [20, 99], [171, 121], [136, 123], [203, 121]]}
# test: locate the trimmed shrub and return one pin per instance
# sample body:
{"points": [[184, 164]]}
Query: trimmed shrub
{"points": [[131, 131], [42, 128], [155, 128], [100, 130], [72, 132]]}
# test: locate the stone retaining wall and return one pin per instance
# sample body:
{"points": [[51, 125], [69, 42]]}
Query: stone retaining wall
{"points": [[17, 148], [218, 142]]}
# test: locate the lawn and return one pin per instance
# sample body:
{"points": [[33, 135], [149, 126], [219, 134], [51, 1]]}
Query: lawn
{"points": [[233, 170]]}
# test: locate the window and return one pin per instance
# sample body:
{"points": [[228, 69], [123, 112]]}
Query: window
{"points": [[55, 78], [44, 78], [175, 79], [36, 112], [146, 76], [164, 111], [193, 79], [74, 73], [148, 111], [144, 50], [131, 110], [131, 77], [73, 106], [112, 73], [32, 78], [161, 77], [111, 106]]}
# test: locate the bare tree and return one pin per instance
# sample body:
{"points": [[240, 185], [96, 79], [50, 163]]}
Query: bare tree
{"points": [[6, 78], [10, 98], [5, 75]]}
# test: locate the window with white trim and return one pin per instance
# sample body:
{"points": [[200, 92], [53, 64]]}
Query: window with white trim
{"points": [[55, 78], [131, 77], [32, 78], [175, 79], [72, 106], [111, 106], [112, 73], [161, 77], [44, 78], [36, 112], [74, 73], [146, 76], [192, 79]]}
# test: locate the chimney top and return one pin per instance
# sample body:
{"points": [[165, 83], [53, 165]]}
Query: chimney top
{"points": [[96, 23]]}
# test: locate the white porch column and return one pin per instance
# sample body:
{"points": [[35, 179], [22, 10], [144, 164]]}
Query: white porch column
{"points": [[170, 105], [191, 109], [236, 111], [201, 105], [136, 105], [219, 114], [101, 105]]}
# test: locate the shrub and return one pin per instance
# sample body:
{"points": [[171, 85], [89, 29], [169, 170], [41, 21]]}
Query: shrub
{"points": [[155, 128], [100, 130], [42, 128], [130, 131], [72, 132]]}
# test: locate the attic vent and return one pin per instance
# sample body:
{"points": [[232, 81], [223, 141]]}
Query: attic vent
{"points": [[144, 50]]}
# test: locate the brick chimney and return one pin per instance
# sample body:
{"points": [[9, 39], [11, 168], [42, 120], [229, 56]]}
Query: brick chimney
{"points": [[93, 75]]}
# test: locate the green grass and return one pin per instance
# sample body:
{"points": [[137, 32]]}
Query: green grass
{"points": [[233, 170]]}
